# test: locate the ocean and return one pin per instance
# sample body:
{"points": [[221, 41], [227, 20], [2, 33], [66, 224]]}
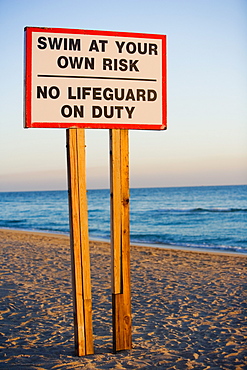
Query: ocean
{"points": [[202, 217]]}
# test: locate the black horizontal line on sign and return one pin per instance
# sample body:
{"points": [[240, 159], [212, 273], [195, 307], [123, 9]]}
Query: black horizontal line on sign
{"points": [[102, 78]]}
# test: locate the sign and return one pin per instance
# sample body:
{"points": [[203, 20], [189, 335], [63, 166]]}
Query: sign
{"points": [[94, 79]]}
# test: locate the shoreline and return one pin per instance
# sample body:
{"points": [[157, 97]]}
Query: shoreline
{"points": [[144, 245]]}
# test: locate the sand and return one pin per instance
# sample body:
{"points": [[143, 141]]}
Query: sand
{"points": [[188, 308]]}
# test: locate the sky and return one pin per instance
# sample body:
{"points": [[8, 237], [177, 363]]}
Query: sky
{"points": [[206, 139]]}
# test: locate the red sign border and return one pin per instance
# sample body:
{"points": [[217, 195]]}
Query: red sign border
{"points": [[28, 81]]}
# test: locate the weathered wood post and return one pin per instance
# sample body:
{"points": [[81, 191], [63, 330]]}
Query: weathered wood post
{"points": [[120, 240], [80, 258]]}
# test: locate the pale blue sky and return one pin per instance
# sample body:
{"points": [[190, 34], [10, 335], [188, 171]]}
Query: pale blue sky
{"points": [[206, 140]]}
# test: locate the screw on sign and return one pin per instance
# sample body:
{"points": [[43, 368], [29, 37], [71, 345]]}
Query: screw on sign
{"points": [[77, 79]]}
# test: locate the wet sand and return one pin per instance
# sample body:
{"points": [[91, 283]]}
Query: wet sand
{"points": [[188, 308]]}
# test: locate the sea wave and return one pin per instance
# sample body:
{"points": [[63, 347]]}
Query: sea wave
{"points": [[176, 244], [193, 210], [6, 223]]}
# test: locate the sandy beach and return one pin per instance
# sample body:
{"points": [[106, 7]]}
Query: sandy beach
{"points": [[188, 308]]}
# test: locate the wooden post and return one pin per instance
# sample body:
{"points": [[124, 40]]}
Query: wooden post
{"points": [[80, 258], [120, 241]]}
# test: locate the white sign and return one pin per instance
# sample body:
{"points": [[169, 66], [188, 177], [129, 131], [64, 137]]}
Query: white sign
{"points": [[94, 79]]}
